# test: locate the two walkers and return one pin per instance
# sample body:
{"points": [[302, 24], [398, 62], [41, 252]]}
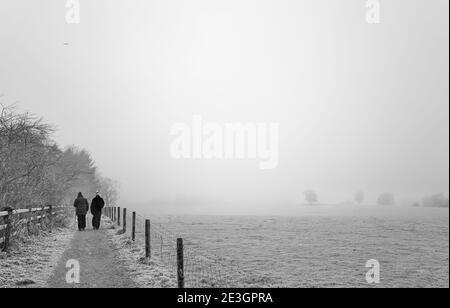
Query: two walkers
{"points": [[81, 205]]}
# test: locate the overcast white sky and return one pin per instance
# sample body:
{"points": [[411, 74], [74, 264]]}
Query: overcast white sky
{"points": [[359, 106]]}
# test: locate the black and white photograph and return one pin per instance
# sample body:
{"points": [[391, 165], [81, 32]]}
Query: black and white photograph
{"points": [[224, 151]]}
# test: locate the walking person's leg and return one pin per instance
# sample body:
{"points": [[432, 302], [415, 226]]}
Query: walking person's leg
{"points": [[83, 222], [80, 222], [99, 220], [96, 220]]}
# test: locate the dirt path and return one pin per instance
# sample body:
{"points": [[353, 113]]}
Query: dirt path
{"points": [[99, 263]]}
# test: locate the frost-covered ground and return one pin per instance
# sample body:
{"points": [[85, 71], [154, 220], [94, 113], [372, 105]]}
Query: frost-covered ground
{"points": [[31, 261], [145, 273], [325, 249]]}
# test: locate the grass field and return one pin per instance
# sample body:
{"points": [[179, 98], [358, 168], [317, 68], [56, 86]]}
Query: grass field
{"points": [[325, 247]]}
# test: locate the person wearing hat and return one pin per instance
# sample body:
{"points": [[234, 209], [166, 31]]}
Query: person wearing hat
{"points": [[97, 205], [81, 209]]}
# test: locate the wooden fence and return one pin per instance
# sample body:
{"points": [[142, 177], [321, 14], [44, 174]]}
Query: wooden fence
{"points": [[13, 222], [193, 267], [119, 216], [191, 264]]}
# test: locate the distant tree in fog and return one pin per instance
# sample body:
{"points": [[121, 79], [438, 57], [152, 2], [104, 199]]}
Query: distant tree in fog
{"points": [[386, 199], [311, 196], [437, 200], [359, 197], [109, 189]]}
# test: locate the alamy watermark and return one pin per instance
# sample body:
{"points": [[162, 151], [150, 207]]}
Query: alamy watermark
{"points": [[73, 12], [373, 275], [373, 11], [212, 140], [73, 273]]}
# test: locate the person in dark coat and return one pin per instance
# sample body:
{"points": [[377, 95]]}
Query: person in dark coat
{"points": [[81, 205], [97, 205]]}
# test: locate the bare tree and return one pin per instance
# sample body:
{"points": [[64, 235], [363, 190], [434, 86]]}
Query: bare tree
{"points": [[311, 197], [359, 197], [33, 170], [436, 200], [25, 154], [110, 190], [386, 199]]}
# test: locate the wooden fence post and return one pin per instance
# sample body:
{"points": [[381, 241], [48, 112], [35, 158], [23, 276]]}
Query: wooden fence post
{"points": [[148, 253], [133, 227], [50, 211], [36, 222], [8, 222], [43, 218], [124, 220], [29, 221], [180, 263], [118, 216]]}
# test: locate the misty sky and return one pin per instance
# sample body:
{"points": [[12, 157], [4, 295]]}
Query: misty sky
{"points": [[360, 106]]}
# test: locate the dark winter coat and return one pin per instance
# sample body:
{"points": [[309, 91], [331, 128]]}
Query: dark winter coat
{"points": [[97, 205], [81, 205]]}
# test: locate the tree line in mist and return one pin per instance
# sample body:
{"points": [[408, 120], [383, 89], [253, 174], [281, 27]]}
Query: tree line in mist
{"points": [[35, 171], [386, 199]]}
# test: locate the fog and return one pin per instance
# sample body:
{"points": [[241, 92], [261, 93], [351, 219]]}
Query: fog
{"points": [[359, 106]]}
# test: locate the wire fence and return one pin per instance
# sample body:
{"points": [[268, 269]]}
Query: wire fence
{"points": [[200, 268]]}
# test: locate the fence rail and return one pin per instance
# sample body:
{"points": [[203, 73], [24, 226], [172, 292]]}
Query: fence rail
{"points": [[15, 222], [191, 264]]}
